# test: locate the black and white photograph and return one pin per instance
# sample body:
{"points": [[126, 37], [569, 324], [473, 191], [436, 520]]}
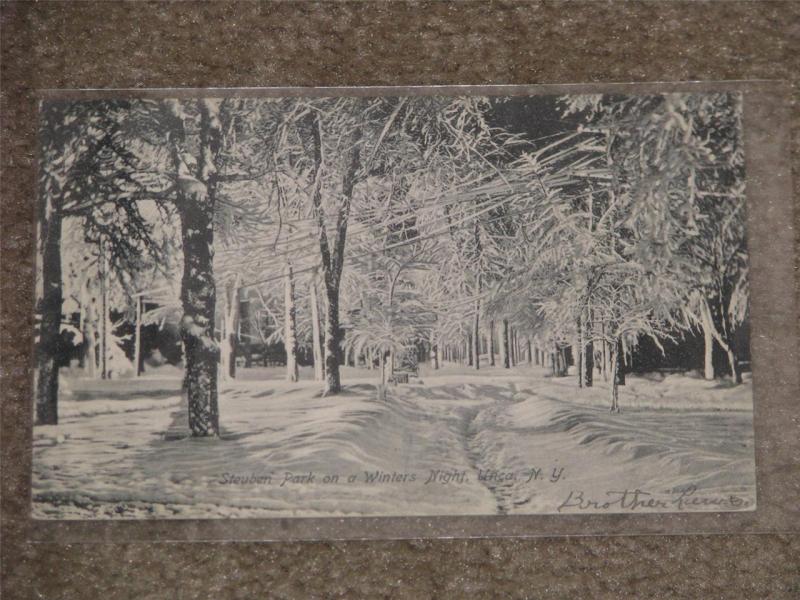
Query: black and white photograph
{"points": [[340, 304]]}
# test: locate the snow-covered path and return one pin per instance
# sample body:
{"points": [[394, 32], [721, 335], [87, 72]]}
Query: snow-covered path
{"points": [[454, 444], [562, 457]]}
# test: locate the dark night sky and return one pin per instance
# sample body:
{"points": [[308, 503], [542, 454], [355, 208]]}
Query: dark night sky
{"points": [[532, 116]]}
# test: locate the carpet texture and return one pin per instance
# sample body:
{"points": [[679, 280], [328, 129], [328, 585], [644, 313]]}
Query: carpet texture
{"points": [[107, 44]]}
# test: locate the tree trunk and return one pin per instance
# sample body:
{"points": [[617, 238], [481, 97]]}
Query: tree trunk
{"points": [[560, 362], [433, 355], [604, 348], [708, 339], [588, 363], [529, 349], [577, 351], [224, 344], [618, 363], [615, 375], [587, 349], [736, 373], [504, 345], [290, 325], [49, 309], [332, 255], [333, 383], [316, 340], [198, 296], [90, 339], [720, 329], [240, 297], [476, 337], [470, 360], [491, 343], [103, 315], [227, 355], [195, 201], [137, 335]]}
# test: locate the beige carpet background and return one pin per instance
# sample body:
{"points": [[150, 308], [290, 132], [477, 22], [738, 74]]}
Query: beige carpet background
{"points": [[106, 44]]}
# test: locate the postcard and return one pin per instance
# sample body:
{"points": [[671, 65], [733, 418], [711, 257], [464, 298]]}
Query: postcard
{"points": [[389, 304]]}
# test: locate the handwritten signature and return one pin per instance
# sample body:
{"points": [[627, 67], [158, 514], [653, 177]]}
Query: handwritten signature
{"points": [[636, 499]]}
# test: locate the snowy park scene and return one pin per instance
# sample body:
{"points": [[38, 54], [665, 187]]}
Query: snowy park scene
{"points": [[391, 305]]}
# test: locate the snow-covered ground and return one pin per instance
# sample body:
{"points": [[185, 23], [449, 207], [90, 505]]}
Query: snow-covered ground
{"points": [[453, 443]]}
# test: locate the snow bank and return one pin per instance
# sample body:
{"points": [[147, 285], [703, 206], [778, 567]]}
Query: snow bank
{"points": [[364, 456], [456, 444], [658, 453], [674, 391]]}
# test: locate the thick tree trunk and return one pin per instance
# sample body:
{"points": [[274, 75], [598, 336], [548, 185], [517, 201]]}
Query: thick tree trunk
{"points": [[198, 296], [316, 338], [290, 325], [49, 309], [529, 349], [505, 354], [195, 201], [333, 382], [618, 363], [470, 360]]}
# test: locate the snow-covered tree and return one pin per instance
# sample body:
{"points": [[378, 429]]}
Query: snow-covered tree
{"points": [[84, 175]]}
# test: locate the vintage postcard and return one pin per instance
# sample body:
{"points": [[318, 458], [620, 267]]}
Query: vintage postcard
{"points": [[388, 304]]}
